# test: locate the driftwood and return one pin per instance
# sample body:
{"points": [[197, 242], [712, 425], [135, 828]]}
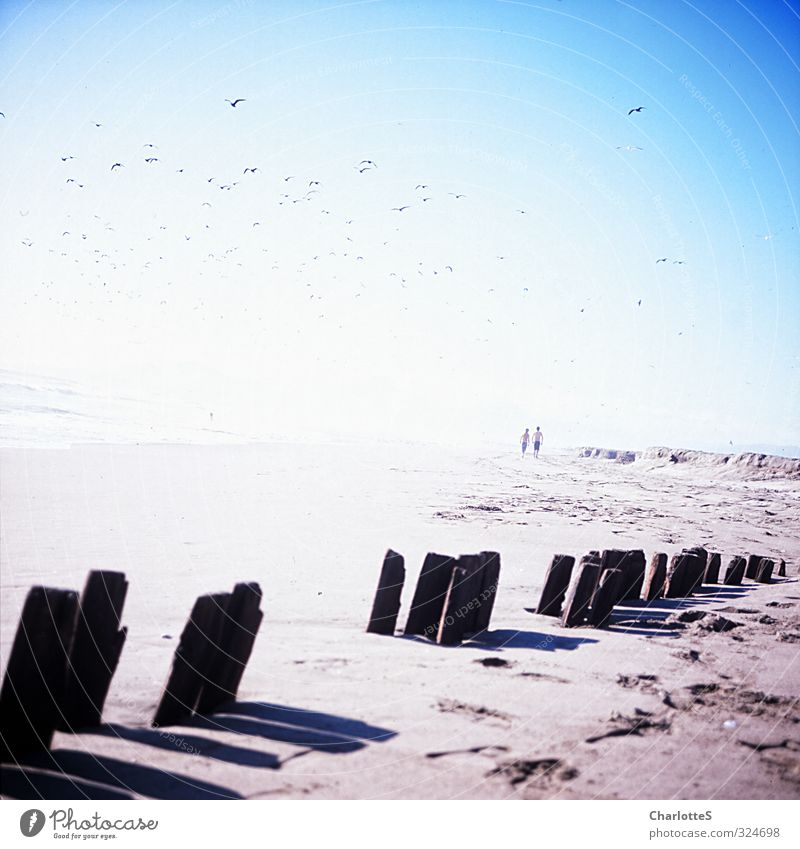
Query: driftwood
{"points": [[386, 606]]}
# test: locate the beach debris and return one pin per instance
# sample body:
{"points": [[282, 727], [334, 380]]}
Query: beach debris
{"points": [[580, 592], [730, 724], [712, 568], [556, 584], [95, 650], [475, 750], [704, 621], [653, 587], [386, 606], [33, 688], [642, 721], [735, 571], [476, 712], [493, 661], [212, 653], [542, 771]]}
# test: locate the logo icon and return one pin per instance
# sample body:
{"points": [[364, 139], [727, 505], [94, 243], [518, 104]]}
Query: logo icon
{"points": [[31, 822]]}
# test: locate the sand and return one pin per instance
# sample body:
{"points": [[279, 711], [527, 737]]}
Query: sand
{"points": [[652, 707]]}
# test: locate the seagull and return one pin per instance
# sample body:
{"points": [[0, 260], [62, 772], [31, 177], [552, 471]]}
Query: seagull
{"points": [[678, 262], [152, 159], [367, 162], [455, 195], [286, 179], [362, 170], [117, 165], [234, 102], [65, 158], [313, 182], [639, 302], [628, 147], [150, 145], [398, 208], [3, 114], [449, 267], [663, 259], [251, 170], [636, 109], [421, 186]]}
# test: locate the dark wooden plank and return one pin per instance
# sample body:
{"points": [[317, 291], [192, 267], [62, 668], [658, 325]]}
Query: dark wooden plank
{"points": [[490, 579], [191, 663], [695, 569], [241, 621], [712, 568], [429, 595], [782, 569], [605, 597], [556, 584], [653, 586], [386, 606], [32, 694], [676, 584], [96, 649], [764, 573], [451, 626], [632, 566], [734, 571], [753, 561], [580, 592]]}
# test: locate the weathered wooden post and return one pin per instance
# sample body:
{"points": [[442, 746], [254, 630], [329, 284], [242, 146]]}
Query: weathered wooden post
{"points": [[734, 572], [782, 569], [241, 621], [32, 695], [386, 606], [451, 624], [95, 651], [613, 558], [556, 584], [490, 578], [429, 595], [605, 597], [677, 582], [712, 568], [653, 587], [633, 568], [753, 561], [579, 594], [764, 573], [191, 662], [696, 559]]}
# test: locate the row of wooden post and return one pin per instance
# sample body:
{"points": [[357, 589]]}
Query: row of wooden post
{"points": [[454, 596], [67, 648], [587, 595]]}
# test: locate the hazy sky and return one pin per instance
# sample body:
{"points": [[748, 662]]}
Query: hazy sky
{"points": [[312, 303]]}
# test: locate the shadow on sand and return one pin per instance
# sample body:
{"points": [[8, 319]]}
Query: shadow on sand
{"points": [[510, 638]]}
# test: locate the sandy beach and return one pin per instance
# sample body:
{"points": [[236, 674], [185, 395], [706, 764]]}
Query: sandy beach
{"points": [[659, 705]]}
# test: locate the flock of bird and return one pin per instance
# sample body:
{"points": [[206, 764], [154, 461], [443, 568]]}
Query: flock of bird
{"points": [[111, 257]]}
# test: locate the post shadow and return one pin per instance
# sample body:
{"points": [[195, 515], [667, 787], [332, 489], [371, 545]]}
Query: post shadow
{"points": [[322, 732], [509, 638], [121, 775], [190, 744], [20, 782]]}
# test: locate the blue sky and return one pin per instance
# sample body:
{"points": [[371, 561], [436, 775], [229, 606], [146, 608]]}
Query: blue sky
{"points": [[314, 304]]}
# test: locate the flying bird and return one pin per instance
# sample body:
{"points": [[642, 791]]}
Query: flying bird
{"points": [[367, 162], [65, 158], [455, 195], [398, 208], [150, 145], [234, 102], [421, 186], [636, 109], [663, 259], [251, 170], [117, 165], [628, 147], [152, 159]]}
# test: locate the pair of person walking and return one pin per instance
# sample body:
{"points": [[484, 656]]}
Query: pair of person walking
{"points": [[537, 438]]}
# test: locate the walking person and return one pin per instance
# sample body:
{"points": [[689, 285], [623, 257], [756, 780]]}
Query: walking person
{"points": [[538, 439], [524, 440]]}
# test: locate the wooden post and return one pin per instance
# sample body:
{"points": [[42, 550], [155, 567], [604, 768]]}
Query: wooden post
{"points": [[753, 561], [429, 595], [633, 567], [580, 592], [734, 571], [32, 694], [677, 582], [241, 621], [556, 584], [451, 626], [490, 579], [764, 574], [605, 597], [782, 569], [695, 569], [192, 660], [712, 568], [96, 649], [653, 587], [386, 606]]}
